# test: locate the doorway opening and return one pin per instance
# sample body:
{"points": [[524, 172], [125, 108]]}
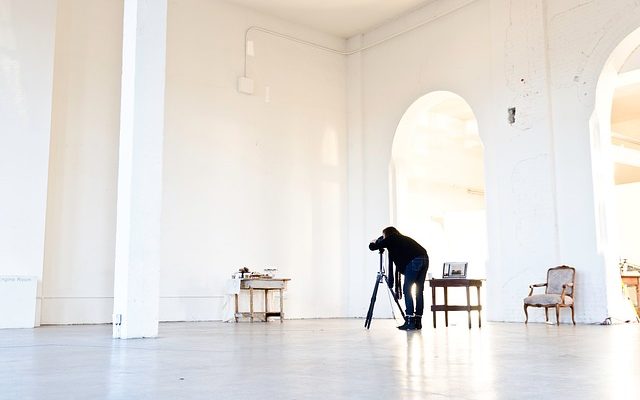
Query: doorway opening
{"points": [[625, 142], [437, 182], [616, 160]]}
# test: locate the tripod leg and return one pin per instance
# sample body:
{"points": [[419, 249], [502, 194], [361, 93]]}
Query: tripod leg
{"points": [[367, 322]]}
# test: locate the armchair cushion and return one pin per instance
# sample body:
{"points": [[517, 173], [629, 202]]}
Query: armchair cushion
{"points": [[547, 299]]}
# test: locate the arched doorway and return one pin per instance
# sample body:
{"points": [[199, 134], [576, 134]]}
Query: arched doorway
{"points": [[615, 131], [437, 179], [625, 141]]}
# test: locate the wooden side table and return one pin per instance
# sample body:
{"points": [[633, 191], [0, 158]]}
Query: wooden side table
{"points": [[632, 281], [446, 307], [264, 284]]}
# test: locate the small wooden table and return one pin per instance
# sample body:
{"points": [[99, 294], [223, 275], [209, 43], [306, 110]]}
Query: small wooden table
{"points": [[264, 284], [455, 282], [632, 280]]}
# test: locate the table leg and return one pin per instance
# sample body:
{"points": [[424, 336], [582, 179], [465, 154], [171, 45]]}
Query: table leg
{"points": [[480, 310], [638, 299], [235, 315], [433, 303], [281, 306], [251, 302], [468, 307], [266, 304], [446, 306]]}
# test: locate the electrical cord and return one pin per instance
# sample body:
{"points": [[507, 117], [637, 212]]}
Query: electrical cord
{"points": [[610, 321]]}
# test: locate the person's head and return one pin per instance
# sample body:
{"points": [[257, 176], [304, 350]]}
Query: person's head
{"points": [[389, 231]]}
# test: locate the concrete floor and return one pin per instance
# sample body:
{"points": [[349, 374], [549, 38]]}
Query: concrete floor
{"points": [[323, 359]]}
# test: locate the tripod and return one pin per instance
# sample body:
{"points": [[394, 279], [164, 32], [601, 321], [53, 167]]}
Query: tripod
{"points": [[379, 278]]}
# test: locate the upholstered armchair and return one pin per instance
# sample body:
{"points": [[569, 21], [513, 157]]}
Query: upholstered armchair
{"points": [[559, 292]]}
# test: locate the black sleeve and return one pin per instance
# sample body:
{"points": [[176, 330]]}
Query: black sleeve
{"points": [[380, 243]]}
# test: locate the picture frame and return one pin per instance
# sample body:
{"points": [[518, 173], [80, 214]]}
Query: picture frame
{"points": [[454, 270]]}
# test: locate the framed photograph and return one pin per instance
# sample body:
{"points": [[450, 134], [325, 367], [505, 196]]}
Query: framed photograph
{"points": [[454, 270]]}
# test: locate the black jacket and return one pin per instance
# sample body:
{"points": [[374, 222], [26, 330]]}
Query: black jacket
{"points": [[402, 249]]}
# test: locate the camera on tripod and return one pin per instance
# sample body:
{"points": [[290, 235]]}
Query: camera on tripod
{"points": [[380, 277]]}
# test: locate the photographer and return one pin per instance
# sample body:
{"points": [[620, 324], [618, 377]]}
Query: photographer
{"points": [[412, 261]]}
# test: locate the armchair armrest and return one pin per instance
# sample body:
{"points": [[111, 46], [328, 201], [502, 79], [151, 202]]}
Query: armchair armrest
{"points": [[570, 284], [534, 286]]}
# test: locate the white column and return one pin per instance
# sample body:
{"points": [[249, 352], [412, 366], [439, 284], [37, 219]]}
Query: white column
{"points": [[140, 169]]}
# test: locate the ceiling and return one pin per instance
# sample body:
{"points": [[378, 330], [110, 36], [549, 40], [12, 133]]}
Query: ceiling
{"points": [[343, 18]]}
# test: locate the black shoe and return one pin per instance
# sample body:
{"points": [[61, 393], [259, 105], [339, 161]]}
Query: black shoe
{"points": [[418, 319], [409, 324]]}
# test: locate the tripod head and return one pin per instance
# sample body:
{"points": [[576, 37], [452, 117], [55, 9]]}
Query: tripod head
{"points": [[382, 270]]}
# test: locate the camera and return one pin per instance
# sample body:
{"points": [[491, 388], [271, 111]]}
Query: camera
{"points": [[375, 245]]}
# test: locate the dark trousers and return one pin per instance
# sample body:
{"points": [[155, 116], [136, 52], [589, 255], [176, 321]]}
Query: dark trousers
{"points": [[415, 273]]}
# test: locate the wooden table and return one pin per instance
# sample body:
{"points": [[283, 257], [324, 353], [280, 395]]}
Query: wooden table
{"points": [[446, 307], [632, 280], [264, 284]]}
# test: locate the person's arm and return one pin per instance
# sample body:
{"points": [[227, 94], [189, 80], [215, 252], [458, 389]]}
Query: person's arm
{"points": [[375, 244], [380, 243]]}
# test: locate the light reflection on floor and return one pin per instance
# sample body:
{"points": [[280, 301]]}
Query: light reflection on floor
{"points": [[323, 359]]}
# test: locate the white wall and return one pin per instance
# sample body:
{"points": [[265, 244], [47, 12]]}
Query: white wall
{"points": [[80, 232], [271, 181], [539, 176], [26, 75], [585, 57], [523, 240], [249, 180], [452, 53]]}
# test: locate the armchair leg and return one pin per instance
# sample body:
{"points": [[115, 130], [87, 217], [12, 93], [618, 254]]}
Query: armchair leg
{"points": [[557, 315], [546, 314], [526, 314], [573, 314]]}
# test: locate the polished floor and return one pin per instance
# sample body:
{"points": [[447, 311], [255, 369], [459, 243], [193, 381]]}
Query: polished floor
{"points": [[323, 359]]}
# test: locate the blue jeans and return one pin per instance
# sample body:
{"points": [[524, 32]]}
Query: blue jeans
{"points": [[415, 273]]}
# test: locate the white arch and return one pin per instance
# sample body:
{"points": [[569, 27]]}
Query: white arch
{"points": [[602, 165], [436, 177]]}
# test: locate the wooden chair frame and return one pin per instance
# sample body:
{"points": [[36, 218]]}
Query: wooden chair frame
{"points": [[557, 306]]}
